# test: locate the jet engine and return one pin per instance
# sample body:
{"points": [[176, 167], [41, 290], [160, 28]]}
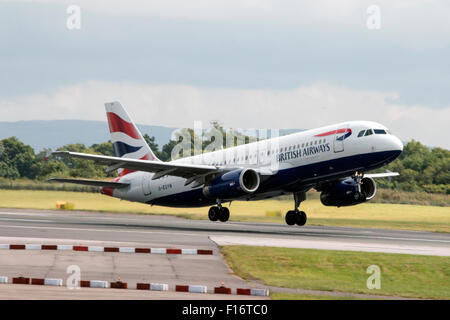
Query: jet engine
{"points": [[233, 184], [345, 192]]}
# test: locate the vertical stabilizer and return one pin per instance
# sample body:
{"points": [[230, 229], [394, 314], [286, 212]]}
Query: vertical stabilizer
{"points": [[127, 141]]}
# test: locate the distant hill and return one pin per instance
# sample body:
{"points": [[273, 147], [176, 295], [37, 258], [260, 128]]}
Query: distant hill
{"points": [[53, 134], [42, 134]]}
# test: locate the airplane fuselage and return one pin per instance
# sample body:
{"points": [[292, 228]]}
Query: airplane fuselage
{"points": [[286, 164]]}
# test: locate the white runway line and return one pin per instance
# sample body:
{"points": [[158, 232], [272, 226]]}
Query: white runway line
{"points": [[331, 245], [25, 220], [57, 215]]}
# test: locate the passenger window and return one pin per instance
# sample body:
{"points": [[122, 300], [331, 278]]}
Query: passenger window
{"points": [[303, 145], [369, 132], [315, 142], [361, 133]]}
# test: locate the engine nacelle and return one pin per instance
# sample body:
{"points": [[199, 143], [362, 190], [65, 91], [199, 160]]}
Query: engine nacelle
{"points": [[344, 193], [233, 184]]}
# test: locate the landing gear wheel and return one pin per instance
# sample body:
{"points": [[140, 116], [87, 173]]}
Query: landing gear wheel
{"points": [[295, 216], [224, 214], [300, 218], [290, 217], [214, 213]]}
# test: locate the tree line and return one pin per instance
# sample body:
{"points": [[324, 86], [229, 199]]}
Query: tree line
{"points": [[420, 168]]}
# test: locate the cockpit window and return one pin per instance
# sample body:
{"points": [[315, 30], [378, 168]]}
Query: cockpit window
{"points": [[379, 131], [369, 132], [361, 133]]}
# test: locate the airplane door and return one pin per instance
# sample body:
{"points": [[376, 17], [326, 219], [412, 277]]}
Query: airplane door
{"points": [[338, 142], [146, 179]]}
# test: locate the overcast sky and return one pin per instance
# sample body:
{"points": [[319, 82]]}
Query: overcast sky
{"points": [[246, 63]]}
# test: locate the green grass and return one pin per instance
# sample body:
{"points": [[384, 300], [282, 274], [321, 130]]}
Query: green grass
{"points": [[371, 215], [304, 296], [345, 271]]}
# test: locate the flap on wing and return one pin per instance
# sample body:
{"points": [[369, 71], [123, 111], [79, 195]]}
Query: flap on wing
{"points": [[94, 183]]}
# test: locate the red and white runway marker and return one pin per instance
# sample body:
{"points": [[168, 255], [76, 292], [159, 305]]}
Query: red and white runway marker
{"points": [[105, 249], [139, 286]]}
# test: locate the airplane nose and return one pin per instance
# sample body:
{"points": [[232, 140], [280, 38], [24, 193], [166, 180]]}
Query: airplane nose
{"points": [[397, 144]]}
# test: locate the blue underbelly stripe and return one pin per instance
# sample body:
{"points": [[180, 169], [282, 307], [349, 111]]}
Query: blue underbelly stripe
{"points": [[313, 173]]}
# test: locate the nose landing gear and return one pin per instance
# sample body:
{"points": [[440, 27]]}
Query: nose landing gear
{"points": [[295, 216]]}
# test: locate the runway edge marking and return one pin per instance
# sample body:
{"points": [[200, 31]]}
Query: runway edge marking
{"points": [[106, 249], [139, 286]]}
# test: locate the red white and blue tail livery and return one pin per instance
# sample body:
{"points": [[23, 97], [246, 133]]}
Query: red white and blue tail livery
{"points": [[127, 141], [333, 159]]}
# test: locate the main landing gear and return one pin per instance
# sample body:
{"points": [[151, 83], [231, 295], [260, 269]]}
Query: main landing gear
{"points": [[295, 216], [219, 213], [357, 177]]}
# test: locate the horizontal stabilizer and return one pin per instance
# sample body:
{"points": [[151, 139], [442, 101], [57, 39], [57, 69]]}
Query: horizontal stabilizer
{"points": [[94, 183]]}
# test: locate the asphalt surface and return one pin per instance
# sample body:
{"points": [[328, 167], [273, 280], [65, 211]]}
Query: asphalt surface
{"points": [[20, 226], [164, 231]]}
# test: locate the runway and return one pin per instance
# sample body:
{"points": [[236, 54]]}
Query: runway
{"points": [[92, 228], [164, 231]]}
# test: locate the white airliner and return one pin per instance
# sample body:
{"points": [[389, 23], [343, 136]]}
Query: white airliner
{"points": [[332, 159]]}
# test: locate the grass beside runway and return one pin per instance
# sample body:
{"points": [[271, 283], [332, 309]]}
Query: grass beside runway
{"points": [[345, 271], [302, 296], [379, 215]]}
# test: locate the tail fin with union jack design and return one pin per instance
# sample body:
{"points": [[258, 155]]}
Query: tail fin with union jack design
{"points": [[127, 141]]}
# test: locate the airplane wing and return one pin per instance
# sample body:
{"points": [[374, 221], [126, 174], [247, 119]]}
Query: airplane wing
{"points": [[94, 183], [381, 175], [188, 171]]}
